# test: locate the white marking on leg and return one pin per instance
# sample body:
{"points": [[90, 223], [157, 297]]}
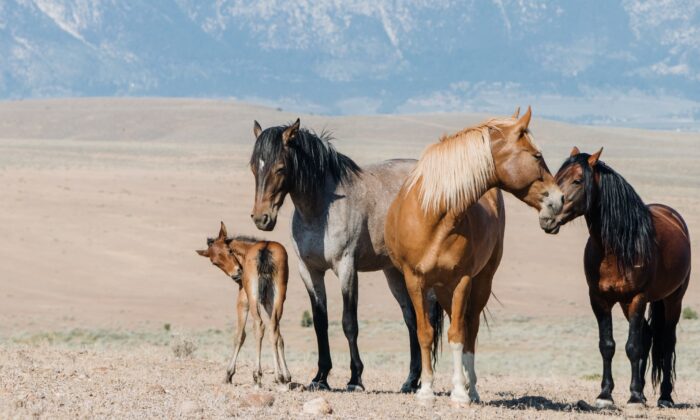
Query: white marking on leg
{"points": [[459, 383], [468, 360]]}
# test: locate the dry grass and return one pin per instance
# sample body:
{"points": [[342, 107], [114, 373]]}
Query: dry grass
{"points": [[527, 368]]}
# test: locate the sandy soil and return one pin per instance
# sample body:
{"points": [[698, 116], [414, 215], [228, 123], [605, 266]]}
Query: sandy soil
{"points": [[104, 201]]}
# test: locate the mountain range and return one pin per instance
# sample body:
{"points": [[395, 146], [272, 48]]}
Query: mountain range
{"points": [[620, 62]]}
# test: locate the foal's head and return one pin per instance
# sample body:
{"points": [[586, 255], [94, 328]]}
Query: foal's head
{"points": [[220, 253], [522, 171]]}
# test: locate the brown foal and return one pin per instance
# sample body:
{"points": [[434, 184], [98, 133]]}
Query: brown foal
{"points": [[636, 254], [445, 228], [260, 269]]}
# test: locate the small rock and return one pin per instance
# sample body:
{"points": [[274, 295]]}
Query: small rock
{"points": [[257, 399], [156, 389], [318, 406], [189, 408]]}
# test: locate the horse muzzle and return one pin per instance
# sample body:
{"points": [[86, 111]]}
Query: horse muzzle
{"points": [[551, 209], [265, 221]]}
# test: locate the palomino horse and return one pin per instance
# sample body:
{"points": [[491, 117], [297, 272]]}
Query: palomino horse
{"points": [[445, 229], [338, 224], [635, 254], [260, 269]]}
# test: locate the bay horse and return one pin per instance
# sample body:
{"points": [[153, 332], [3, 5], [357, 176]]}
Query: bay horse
{"points": [[260, 270], [338, 224], [635, 254], [445, 229]]}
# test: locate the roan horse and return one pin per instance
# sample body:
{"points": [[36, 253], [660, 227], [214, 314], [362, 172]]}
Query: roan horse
{"points": [[260, 269], [445, 230], [635, 254], [338, 224]]}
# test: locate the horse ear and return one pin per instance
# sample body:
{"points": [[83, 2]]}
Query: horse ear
{"points": [[574, 152], [291, 132], [524, 121], [203, 252], [222, 232], [516, 114], [593, 159], [256, 129]]}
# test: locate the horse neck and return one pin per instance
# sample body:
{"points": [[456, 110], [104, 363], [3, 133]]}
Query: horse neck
{"points": [[594, 223], [312, 204]]}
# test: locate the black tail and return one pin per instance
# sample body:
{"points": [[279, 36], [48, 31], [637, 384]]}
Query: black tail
{"points": [[266, 273], [657, 322], [437, 317]]}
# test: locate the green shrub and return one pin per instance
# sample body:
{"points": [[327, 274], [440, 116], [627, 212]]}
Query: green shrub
{"points": [[306, 320], [689, 313]]}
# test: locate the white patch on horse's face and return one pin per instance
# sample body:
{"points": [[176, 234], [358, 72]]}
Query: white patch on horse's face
{"points": [[261, 164]]}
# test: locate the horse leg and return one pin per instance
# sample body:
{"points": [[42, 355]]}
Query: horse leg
{"points": [[348, 284], [397, 285], [316, 287], [606, 344], [456, 335], [671, 310], [259, 328], [635, 348], [283, 374], [242, 312], [274, 339], [418, 295], [285, 370]]}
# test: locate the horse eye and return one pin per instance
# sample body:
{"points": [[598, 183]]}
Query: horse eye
{"points": [[577, 182]]}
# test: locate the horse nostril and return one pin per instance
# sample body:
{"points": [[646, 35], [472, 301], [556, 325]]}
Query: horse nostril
{"points": [[252, 216], [265, 219], [562, 199]]}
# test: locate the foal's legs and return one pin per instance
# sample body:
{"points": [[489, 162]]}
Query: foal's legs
{"points": [[606, 344], [259, 328], [242, 315], [425, 332], [397, 285], [348, 283], [278, 308], [274, 339], [315, 286], [635, 348]]}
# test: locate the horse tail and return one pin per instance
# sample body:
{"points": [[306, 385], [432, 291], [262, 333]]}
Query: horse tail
{"points": [[266, 273], [657, 322], [437, 317]]}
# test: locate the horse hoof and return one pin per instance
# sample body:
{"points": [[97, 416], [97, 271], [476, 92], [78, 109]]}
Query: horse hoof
{"points": [[635, 405], [409, 387], [228, 379], [665, 404], [425, 395], [319, 386], [355, 388], [459, 398], [603, 403]]}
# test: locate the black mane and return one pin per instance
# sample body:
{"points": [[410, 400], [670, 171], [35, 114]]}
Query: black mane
{"points": [[309, 159], [626, 227]]}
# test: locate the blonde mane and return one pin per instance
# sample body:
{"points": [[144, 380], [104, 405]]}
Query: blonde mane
{"points": [[457, 170]]}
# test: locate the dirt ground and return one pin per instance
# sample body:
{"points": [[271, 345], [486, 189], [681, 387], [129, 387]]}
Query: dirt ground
{"points": [[103, 203]]}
